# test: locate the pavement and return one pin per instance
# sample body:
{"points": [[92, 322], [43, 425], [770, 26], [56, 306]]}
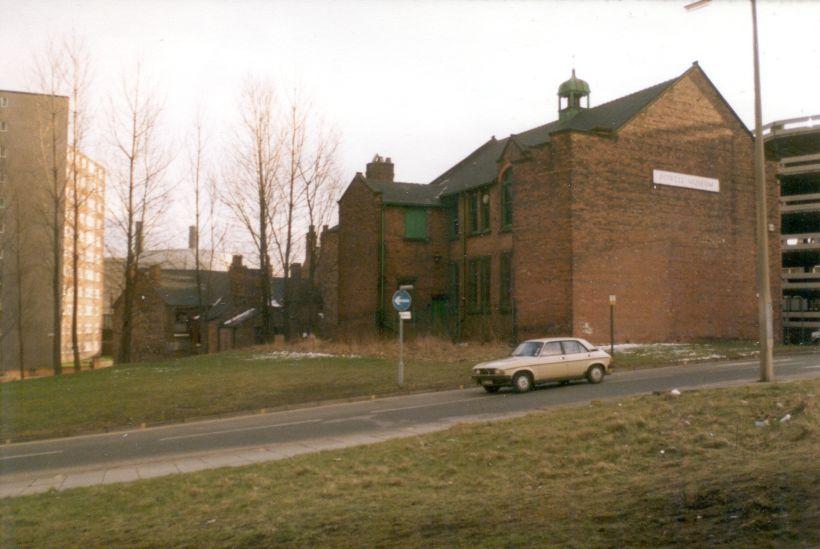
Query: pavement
{"points": [[125, 456]]}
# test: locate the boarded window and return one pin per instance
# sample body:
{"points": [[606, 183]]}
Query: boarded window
{"points": [[415, 223]]}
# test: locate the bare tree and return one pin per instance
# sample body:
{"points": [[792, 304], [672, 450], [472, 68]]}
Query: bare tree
{"points": [[288, 195], [77, 81], [140, 191], [321, 184], [51, 114], [251, 190], [198, 172]]}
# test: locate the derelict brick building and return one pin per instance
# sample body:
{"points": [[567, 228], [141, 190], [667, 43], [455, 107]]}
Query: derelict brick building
{"points": [[649, 198]]}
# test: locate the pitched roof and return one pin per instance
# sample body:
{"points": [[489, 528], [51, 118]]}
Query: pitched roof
{"points": [[405, 194], [480, 167]]}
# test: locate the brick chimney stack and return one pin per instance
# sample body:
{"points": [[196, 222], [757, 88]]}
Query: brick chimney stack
{"points": [[380, 169]]}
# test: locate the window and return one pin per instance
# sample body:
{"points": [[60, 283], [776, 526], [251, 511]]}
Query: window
{"points": [[528, 348], [506, 199], [572, 347], [4, 101], [3, 127], [415, 223], [478, 285], [2, 175], [505, 277], [479, 211], [2, 151], [552, 348]]}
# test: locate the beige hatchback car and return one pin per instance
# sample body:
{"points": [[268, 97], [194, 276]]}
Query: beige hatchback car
{"points": [[540, 361]]}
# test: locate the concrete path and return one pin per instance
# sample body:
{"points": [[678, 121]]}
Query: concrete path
{"points": [[60, 464]]}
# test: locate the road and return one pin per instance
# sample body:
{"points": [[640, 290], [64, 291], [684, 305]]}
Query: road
{"points": [[130, 455]]}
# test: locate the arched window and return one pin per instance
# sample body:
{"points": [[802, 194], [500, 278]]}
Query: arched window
{"points": [[506, 199]]}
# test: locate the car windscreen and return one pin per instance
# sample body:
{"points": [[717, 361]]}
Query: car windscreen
{"points": [[528, 348]]}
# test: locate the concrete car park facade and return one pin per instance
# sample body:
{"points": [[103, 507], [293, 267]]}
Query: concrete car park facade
{"points": [[649, 198]]}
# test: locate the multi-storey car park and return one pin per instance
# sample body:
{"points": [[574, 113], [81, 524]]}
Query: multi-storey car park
{"points": [[795, 144]]}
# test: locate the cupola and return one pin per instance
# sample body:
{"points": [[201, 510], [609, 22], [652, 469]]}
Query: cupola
{"points": [[570, 94]]}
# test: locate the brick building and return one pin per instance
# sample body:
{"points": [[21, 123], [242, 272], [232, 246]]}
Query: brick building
{"points": [[166, 318], [649, 197]]}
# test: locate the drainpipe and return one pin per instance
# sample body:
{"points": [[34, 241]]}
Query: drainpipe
{"points": [[381, 267], [463, 285]]}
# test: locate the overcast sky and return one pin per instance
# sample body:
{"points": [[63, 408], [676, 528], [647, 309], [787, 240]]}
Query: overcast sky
{"points": [[424, 82]]}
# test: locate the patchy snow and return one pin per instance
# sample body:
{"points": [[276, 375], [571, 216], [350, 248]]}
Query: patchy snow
{"points": [[293, 355], [630, 346]]}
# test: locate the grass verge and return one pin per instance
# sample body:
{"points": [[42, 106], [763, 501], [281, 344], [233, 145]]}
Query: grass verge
{"points": [[128, 396], [648, 471]]}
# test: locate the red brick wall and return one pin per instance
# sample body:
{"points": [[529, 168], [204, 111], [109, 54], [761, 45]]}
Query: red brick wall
{"points": [[681, 261], [425, 261], [543, 242], [359, 221], [327, 276]]}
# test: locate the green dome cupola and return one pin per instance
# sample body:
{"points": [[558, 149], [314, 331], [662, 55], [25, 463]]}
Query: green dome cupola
{"points": [[570, 94]]}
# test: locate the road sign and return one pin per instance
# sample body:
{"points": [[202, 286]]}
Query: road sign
{"points": [[401, 300], [405, 315]]}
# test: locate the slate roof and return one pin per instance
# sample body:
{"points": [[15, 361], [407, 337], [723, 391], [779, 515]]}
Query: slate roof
{"points": [[480, 167], [177, 288], [405, 194]]}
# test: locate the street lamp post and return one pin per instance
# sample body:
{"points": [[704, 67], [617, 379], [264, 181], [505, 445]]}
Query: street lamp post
{"points": [[766, 334]]}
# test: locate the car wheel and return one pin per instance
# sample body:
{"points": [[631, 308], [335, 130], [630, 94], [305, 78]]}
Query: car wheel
{"points": [[491, 388], [595, 374], [563, 382], [522, 382]]}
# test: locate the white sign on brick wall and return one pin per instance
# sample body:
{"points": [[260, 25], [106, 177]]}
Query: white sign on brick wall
{"points": [[660, 177]]}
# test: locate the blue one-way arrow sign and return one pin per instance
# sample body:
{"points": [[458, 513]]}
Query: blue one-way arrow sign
{"points": [[401, 300]]}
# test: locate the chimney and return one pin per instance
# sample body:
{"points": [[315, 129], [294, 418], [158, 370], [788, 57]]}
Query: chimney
{"points": [[155, 274], [295, 271], [138, 238], [192, 238], [310, 246], [380, 169], [236, 262]]}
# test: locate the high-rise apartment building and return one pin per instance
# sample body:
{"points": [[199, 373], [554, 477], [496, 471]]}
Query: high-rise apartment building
{"points": [[88, 202], [36, 203]]}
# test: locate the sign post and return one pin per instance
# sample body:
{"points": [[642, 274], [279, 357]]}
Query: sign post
{"points": [[401, 302], [612, 325]]}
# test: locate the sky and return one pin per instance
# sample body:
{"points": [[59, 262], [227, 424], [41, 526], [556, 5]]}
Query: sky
{"points": [[424, 82]]}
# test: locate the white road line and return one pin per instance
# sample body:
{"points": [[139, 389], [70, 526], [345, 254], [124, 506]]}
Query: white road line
{"points": [[225, 431], [351, 418], [31, 455], [422, 406]]}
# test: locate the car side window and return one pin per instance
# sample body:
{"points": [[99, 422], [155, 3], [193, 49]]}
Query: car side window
{"points": [[552, 348], [572, 347]]}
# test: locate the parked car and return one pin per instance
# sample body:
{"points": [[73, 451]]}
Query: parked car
{"points": [[539, 361]]}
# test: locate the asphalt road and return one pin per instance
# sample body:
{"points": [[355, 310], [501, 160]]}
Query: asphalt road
{"points": [[371, 418]]}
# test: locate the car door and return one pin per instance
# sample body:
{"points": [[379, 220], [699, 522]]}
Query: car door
{"points": [[553, 362], [576, 358]]}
